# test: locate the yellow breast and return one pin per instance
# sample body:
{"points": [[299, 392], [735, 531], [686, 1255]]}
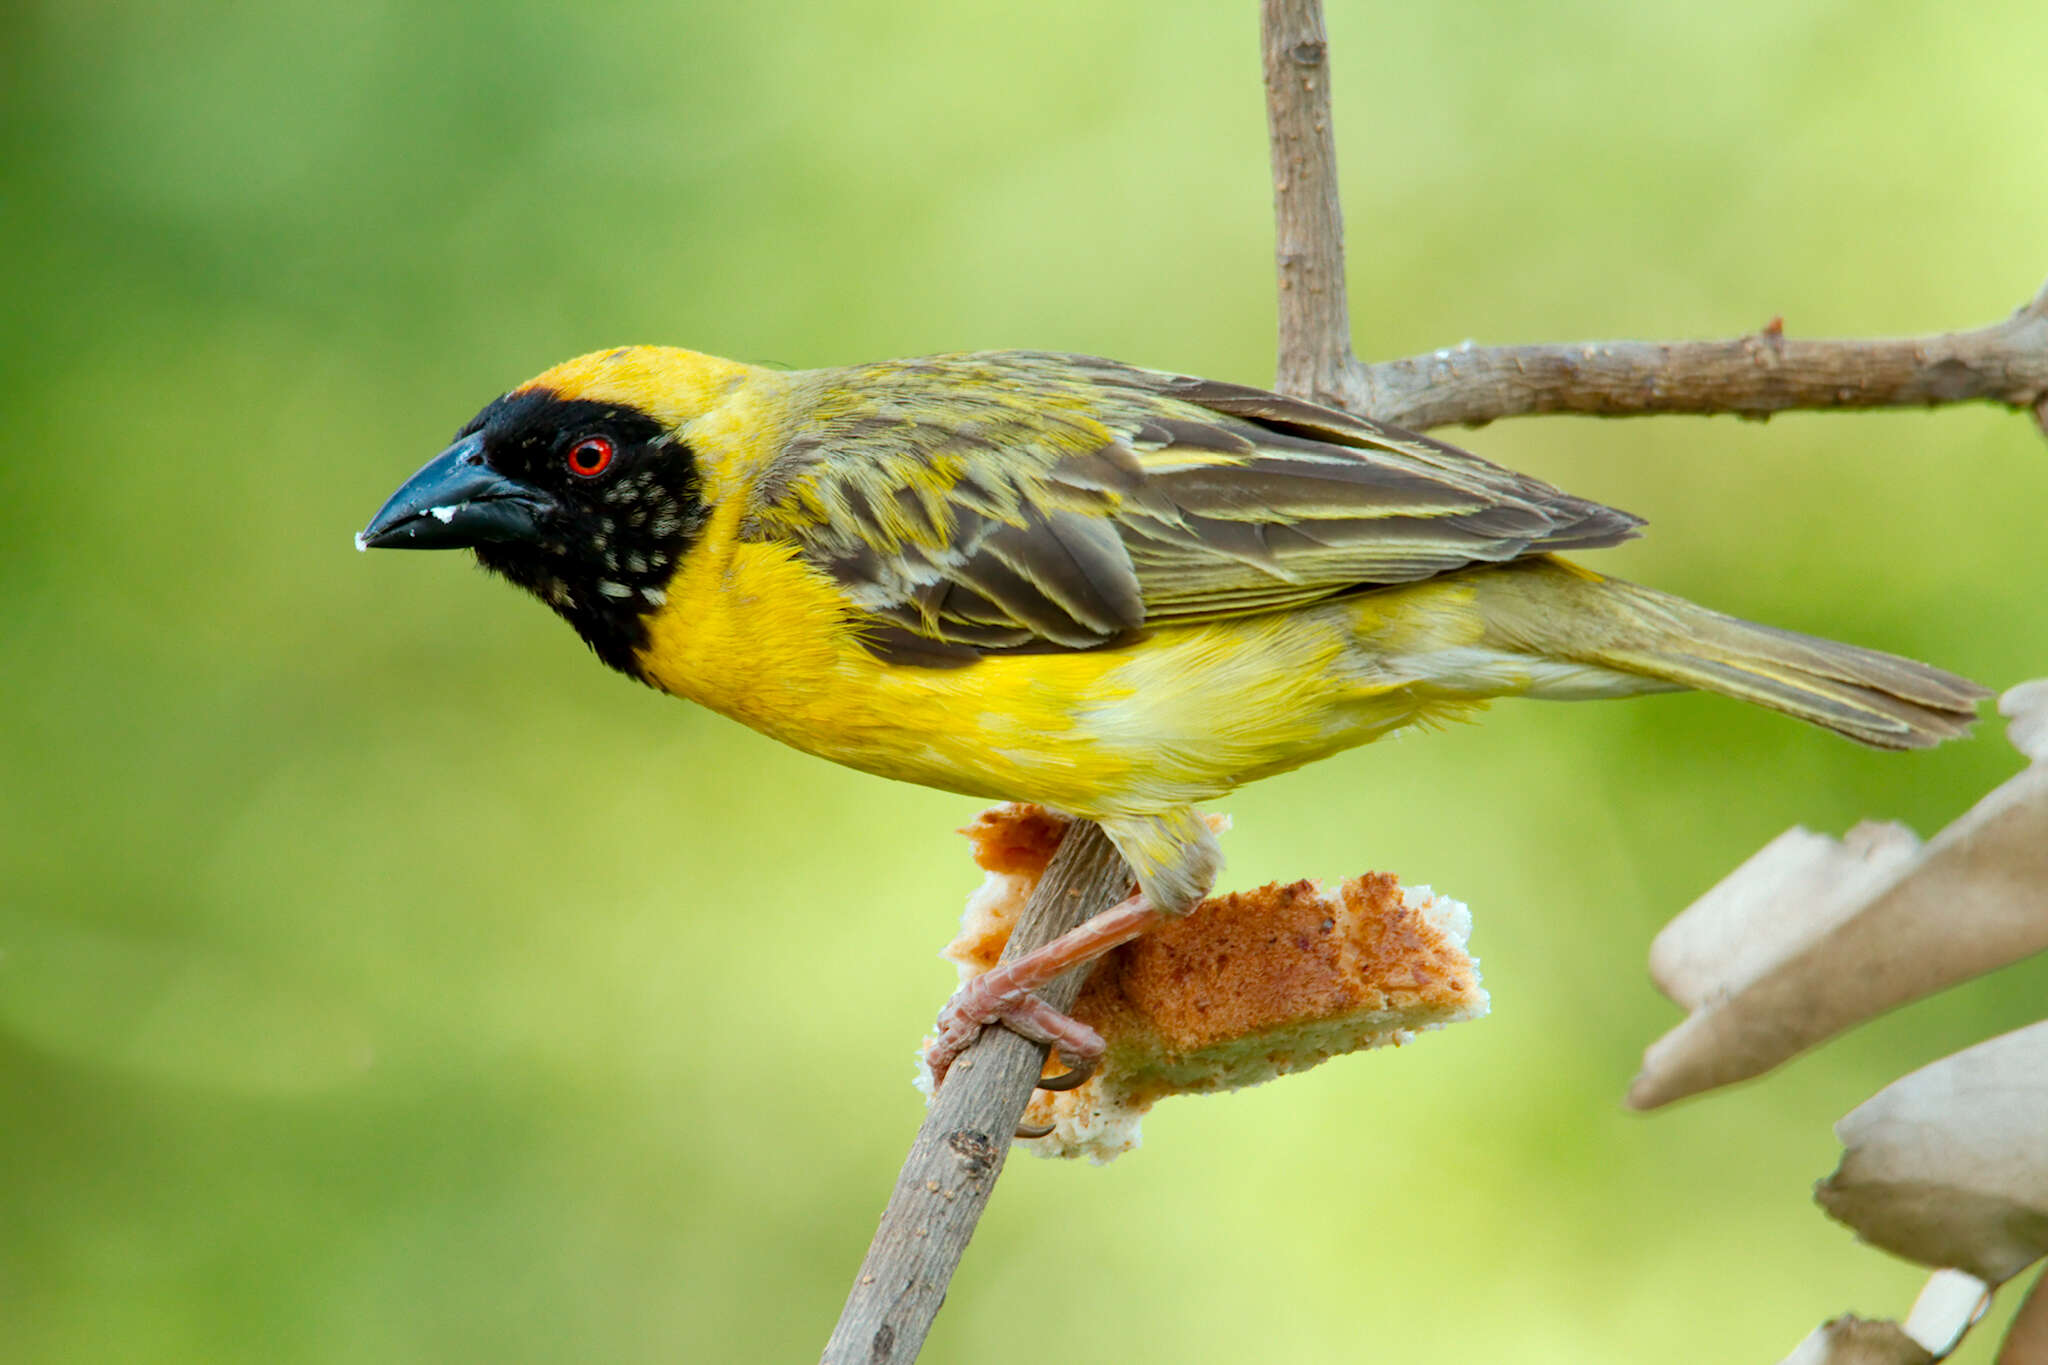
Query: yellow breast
{"points": [[1181, 715]]}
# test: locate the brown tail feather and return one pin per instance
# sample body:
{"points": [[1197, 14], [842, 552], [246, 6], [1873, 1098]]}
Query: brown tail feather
{"points": [[1876, 699]]}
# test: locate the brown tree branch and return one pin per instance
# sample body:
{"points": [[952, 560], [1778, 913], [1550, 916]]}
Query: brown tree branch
{"points": [[952, 1167], [1750, 376], [1315, 358]]}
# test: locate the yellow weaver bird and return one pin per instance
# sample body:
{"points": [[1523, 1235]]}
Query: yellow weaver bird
{"points": [[1060, 579]]}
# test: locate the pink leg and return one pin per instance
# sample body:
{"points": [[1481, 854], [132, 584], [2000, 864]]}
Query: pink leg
{"points": [[1004, 996]]}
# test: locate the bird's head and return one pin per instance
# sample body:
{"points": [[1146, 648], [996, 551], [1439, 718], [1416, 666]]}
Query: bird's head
{"points": [[579, 486]]}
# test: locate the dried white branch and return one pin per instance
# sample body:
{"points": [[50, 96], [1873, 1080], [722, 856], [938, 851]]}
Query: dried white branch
{"points": [[2026, 710], [1950, 1304], [1857, 1341], [1949, 1165], [1811, 936]]}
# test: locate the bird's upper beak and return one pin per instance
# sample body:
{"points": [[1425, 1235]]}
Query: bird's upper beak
{"points": [[455, 502]]}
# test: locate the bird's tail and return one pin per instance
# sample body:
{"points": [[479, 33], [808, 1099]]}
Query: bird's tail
{"points": [[1556, 609]]}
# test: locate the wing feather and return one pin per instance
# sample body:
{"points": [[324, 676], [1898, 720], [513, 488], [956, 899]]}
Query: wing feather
{"points": [[1022, 500]]}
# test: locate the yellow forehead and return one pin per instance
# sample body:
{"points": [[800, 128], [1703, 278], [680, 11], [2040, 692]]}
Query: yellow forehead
{"points": [[671, 385]]}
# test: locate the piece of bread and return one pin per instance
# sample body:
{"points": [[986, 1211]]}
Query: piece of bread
{"points": [[1248, 986]]}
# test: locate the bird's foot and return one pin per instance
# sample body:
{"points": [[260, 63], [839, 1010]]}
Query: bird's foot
{"points": [[1004, 996], [968, 1012]]}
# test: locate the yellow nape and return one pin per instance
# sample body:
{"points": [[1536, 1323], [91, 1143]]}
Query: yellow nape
{"points": [[671, 385]]}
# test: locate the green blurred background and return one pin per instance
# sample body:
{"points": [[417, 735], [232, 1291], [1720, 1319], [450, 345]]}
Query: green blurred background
{"points": [[381, 980]]}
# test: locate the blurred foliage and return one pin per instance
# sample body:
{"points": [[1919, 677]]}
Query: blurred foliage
{"points": [[380, 980]]}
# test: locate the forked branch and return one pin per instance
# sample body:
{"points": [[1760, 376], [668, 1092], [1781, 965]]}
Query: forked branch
{"points": [[1749, 376]]}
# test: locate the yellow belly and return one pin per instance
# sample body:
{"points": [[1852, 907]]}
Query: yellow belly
{"points": [[1180, 716]]}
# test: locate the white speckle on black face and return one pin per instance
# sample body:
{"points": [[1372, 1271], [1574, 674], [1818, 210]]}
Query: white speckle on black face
{"points": [[444, 515], [603, 556]]}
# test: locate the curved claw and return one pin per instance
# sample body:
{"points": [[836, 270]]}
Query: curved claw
{"points": [[1031, 1132], [1076, 1074]]}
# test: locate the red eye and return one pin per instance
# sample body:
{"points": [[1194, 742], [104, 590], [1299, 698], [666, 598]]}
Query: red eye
{"points": [[590, 457]]}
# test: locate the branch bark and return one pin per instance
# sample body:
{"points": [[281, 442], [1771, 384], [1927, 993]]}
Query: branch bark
{"points": [[1315, 359], [953, 1164], [1749, 376]]}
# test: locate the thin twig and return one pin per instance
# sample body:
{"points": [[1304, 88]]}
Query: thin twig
{"points": [[952, 1167], [1315, 358], [1750, 376]]}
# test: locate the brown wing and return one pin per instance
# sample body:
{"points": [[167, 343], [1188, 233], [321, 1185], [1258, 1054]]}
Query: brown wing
{"points": [[1020, 500]]}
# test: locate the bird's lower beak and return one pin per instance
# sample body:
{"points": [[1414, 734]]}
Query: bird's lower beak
{"points": [[455, 502]]}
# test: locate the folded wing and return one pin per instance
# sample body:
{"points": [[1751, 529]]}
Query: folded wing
{"points": [[1027, 501]]}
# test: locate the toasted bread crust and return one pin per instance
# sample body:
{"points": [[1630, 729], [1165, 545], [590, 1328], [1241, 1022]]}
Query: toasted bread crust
{"points": [[1249, 986]]}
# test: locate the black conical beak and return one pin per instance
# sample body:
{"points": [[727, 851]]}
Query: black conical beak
{"points": [[455, 502]]}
